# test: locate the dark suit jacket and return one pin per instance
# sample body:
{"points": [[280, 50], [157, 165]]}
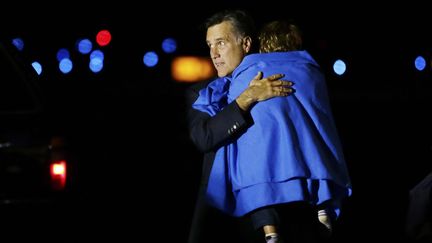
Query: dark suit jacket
{"points": [[208, 133]]}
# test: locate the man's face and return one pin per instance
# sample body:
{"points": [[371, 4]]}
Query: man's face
{"points": [[227, 49]]}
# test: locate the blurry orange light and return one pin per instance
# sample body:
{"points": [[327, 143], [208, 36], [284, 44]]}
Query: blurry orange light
{"points": [[192, 69]]}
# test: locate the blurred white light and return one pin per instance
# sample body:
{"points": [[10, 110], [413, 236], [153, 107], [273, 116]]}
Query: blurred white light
{"points": [[65, 65], [96, 64], [38, 67], [339, 67]]}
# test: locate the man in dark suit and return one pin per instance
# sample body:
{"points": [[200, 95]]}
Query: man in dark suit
{"points": [[229, 36]]}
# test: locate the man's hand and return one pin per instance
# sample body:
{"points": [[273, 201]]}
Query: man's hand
{"points": [[260, 89]]}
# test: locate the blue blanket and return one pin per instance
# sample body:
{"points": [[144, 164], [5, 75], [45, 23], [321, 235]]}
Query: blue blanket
{"points": [[292, 152]]}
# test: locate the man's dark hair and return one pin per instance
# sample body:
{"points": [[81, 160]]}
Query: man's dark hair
{"points": [[240, 19]]}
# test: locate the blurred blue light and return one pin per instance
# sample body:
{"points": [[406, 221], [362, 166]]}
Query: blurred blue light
{"points": [[97, 54], [62, 54], [420, 63], [96, 64], [169, 45], [38, 67], [85, 46], [150, 59], [339, 67], [65, 65], [18, 43]]}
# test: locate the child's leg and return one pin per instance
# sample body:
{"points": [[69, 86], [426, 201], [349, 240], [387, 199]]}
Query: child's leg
{"points": [[271, 234], [266, 219], [325, 218]]}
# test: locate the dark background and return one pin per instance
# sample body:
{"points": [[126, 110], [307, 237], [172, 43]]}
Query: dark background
{"points": [[138, 172]]}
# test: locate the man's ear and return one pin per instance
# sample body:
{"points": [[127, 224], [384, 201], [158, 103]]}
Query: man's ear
{"points": [[247, 44]]}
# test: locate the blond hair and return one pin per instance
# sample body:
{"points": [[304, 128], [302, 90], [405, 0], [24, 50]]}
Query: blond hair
{"points": [[279, 36]]}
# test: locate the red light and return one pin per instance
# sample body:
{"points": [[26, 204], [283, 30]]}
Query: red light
{"points": [[58, 175], [103, 38]]}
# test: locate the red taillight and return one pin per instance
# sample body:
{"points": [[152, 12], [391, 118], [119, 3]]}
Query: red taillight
{"points": [[58, 175]]}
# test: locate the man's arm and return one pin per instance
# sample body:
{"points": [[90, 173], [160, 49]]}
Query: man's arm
{"points": [[210, 132], [262, 89]]}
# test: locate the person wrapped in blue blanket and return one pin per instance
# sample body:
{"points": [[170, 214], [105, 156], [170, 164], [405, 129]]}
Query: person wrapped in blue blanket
{"points": [[292, 152]]}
